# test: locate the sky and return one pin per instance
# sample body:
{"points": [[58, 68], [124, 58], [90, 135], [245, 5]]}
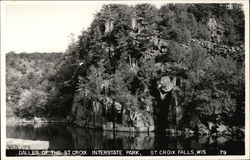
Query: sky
{"points": [[46, 26]]}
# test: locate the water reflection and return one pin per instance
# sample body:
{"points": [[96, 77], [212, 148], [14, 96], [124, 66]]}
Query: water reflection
{"points": [[62, 136]]}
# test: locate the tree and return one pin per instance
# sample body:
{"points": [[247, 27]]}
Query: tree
{"points": [[32, 104]]}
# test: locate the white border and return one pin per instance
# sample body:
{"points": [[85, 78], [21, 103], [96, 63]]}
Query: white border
{"points": [[3, 89]]}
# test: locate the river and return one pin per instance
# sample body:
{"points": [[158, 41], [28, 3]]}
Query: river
{"points": [[64, 136]]}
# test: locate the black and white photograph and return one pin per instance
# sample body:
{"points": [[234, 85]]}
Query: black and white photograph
{"points": [[125, 79]]}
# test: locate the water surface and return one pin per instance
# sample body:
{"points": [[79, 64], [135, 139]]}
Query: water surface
{"points": [[64, 136]]}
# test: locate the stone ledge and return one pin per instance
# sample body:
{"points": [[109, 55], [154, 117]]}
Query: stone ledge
{"points": [[12, 143], [128, 129]]}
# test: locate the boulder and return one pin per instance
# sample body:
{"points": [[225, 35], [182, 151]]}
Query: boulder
{"points": [[12, 143]]}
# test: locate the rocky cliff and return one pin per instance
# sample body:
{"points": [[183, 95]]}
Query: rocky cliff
{"points": [[147, 69]]}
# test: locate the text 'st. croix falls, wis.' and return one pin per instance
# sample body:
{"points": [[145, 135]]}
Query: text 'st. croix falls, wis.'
{"points": [[142, 79]]}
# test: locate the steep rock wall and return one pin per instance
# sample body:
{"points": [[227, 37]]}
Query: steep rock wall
{"points": [[106, 113]]}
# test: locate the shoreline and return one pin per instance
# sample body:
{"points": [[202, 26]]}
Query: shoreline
{"points": [[22, 121], [38, 122]]}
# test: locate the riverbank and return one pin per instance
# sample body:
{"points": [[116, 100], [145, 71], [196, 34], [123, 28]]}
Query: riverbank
{"points": [[10, 121], [221, 130], [37, 122]]}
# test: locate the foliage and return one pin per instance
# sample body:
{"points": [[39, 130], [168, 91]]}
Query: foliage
{"points": [[32, 103], [208, 90], [130, 60], [28, 86]]}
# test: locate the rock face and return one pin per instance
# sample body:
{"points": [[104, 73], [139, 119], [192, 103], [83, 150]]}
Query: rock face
{"points": [[12, 143], [166, 85], [107, 114], [86, 116], [216, 30], [168, 112]]}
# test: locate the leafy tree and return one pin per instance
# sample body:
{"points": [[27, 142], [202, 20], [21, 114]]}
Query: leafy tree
{"points": [[32, 103]]}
